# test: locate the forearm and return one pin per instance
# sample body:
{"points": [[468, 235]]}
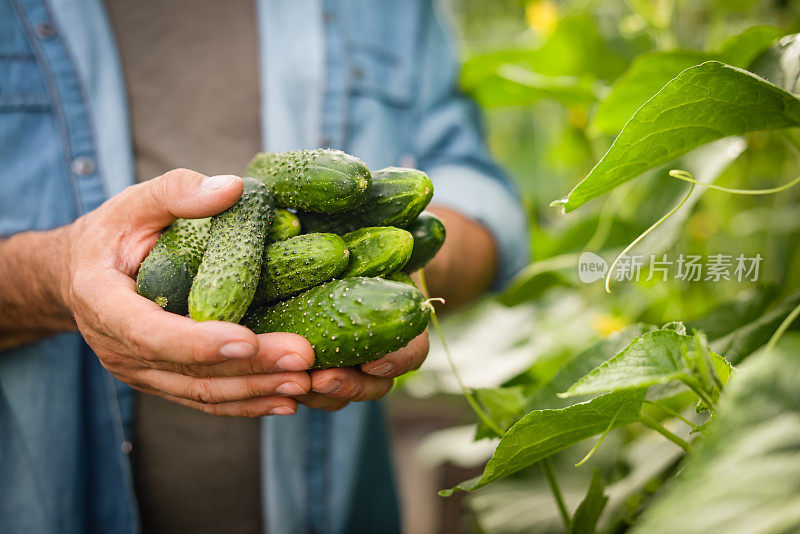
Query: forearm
{"points": [[465, 266], [30, 293]]}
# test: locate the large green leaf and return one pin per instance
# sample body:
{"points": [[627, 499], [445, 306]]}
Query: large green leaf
{"points": [[649, 72], [584, 521], [581, 363], [544, 432], [701, 104], [655, 358], [744, 477]]}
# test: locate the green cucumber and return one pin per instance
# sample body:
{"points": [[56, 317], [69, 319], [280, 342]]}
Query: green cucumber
{"points": [[228, 275], [299, 263], [377, 251], [348, 322], [396, 198], [400, 276], [166, 274], [428, 233], [322, 180], [285, 224]]}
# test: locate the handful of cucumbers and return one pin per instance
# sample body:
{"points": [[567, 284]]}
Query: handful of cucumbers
{"points": [[317, 245]]}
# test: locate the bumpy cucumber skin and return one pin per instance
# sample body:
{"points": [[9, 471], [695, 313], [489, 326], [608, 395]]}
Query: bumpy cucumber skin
{"points": [[285, 224], [429, 234], [166, 274], [228, 275], [400, 276], [377, 251], [299, 263], [348, 322], [396, 198], [322, 180]]}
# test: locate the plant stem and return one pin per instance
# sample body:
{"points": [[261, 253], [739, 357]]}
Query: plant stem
{"points": [[550, 475], [483, 416], [649, 422], [783, 327], [673, 413], [694, 386]]}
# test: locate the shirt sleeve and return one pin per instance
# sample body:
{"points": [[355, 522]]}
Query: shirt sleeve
{"points": [[449, 146]]}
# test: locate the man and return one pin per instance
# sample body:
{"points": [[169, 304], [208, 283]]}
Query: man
{"points": [[375, 79]]}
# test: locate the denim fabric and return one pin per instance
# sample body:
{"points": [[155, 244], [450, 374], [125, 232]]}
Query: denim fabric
{"points": [[377, 79]]}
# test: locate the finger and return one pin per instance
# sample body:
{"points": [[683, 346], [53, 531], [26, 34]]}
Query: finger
{"points": [[321, 402], [277, 352], [153, 334], [349, 384], [246, 408], [180, 193], [225, 389], [400, 361]]}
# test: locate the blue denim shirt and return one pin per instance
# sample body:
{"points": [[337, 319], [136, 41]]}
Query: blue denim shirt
{"points": [[376, 79]]}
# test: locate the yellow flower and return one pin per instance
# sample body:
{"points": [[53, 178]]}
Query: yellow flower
{"points": [[541, 16], [605, 324]]}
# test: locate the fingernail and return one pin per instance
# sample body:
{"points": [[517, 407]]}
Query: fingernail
{"points": [[290, 388], [282, 410], [330, 387], [237, 349], [291, 362], [218, 182], [383, 369]]}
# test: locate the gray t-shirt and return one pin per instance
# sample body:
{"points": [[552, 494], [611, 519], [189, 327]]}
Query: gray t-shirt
{"points": [[191, 68]]}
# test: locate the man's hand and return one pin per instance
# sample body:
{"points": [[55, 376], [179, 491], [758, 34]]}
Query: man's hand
{"points": [[333, 389], [82, 275]]}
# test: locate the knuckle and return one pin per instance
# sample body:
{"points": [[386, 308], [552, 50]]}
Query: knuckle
{"points": [[201, 391]]}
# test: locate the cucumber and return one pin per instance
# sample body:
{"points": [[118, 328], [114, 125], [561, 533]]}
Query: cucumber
{"points": [[348, 322], [166, 274], [228, 275], [396, 198], [428, 233], [377, 251], [285, 224], [400, 276], [322, 180], [299, 263]]}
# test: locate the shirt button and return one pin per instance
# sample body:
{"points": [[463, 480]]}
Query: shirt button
{"points": [[325, 141], [46, 30], [83, 166], [328, 17], [126, 447], [358, 73]]}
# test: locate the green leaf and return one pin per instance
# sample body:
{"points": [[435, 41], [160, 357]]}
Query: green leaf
{"points": [[503, 406], [741, 49], [647, 74], [744, 476], [544, 432], [584, 521], [655, 358], [700, 105], [580, 364]]}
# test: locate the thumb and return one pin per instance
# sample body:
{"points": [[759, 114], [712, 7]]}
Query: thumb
{"points": [[178, 194]]}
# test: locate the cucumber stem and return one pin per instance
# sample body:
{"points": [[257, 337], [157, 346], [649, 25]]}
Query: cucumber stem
{"points": [[649, 422], [555, 489]]}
